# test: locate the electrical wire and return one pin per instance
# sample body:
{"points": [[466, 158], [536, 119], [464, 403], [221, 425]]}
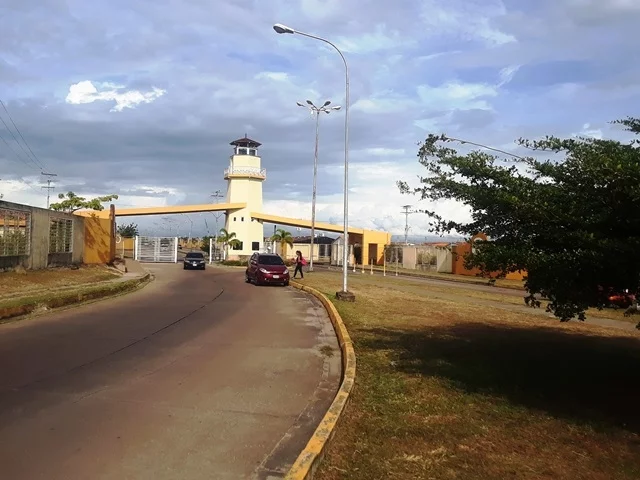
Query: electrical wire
{"points": [[33, 156]]}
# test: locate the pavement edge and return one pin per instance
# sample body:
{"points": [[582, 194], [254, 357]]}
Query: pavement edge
{"points": [[74, 297], [307, 462]]}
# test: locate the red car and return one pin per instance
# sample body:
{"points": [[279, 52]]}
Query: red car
{"points": [[621, 299], [267, 268]]}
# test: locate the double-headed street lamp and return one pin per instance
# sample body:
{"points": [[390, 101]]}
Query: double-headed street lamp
{"points": [[344, 294], [317, 111]]}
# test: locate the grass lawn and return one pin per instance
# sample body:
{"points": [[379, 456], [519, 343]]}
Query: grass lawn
{"points": [[391, 270], [455, 390], [417, 286], [13, 284]]}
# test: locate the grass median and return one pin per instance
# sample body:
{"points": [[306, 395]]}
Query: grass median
{"points": [[25, 305], [13, 284], [452, 390]]}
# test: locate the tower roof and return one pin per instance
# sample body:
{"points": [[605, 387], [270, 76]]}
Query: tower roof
{"points": [[245, 142]]}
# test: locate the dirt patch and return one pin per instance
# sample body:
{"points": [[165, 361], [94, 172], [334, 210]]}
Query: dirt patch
{"points": [[452, 390], [12, 283]]}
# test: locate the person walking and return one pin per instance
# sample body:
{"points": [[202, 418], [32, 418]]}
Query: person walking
{"points": [[300, 261]]}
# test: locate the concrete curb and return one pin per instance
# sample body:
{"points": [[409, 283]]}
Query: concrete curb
{"points": [[35, 303], [307, 462]]}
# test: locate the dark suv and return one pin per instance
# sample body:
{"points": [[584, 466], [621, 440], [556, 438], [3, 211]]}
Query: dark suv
{"points": [[194, 260], [267, 268]]}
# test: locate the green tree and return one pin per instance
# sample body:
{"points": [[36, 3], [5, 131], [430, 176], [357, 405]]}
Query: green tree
{"points": [[130, 230], [204, 243], [70, 202], [571, 223], [284, 238], [228, 239]]}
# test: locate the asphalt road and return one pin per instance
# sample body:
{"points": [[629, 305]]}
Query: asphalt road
{"points": [[198, 375]]}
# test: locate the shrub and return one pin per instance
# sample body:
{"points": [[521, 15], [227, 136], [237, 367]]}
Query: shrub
{"points": [[235, 263]]}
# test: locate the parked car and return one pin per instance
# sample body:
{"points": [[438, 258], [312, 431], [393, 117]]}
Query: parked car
{"points": [[267, 268], [621, 299], [194, 260]]}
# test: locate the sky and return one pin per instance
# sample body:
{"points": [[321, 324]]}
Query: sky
{"points": [[141, 99]]}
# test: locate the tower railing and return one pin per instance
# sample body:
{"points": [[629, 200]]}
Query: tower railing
{"points": [[255, 172]]}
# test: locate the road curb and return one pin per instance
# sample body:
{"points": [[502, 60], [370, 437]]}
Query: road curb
{"points": [[62, 299], [309, 459]]}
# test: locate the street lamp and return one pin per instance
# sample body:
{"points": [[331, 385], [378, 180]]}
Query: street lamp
{"points": [[344, 294], [190, 228], [317, 111]]}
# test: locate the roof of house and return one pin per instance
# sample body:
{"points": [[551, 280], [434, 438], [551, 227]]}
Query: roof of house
{"points": [[245, 142]]}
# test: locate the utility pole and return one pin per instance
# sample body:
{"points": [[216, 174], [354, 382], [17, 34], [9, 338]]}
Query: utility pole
{"points": [[406, 212], [216, 195], [48, 187]]}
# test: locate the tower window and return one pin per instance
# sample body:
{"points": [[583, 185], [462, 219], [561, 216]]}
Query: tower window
{"points": [[242, 219], [234, 219]]}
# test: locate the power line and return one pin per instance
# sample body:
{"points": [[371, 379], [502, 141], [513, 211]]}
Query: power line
{"points": [[34, 157], [14, 137], [15, 153]]}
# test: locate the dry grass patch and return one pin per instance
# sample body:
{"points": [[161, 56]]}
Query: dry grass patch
{"points": [[453, 390], [500, 282], [12, 284], [470, 293]]}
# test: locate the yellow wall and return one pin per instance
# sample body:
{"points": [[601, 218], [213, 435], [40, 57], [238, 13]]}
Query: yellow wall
{"points": [[99, 236], [380, 239]]}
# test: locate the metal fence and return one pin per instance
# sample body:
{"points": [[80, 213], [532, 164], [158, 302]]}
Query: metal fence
{"points": [[156, 249], [60, 235], [15, 232]]}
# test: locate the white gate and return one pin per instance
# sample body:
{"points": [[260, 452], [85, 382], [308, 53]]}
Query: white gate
{"points": [[156, 249]]}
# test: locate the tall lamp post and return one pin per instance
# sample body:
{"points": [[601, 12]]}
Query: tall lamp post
{"points": [[317, 111], [190, 228], [344, 294]]}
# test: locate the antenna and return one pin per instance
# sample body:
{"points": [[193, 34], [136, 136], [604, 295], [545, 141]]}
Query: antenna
{"points": [[406, 212], [48, 187]]}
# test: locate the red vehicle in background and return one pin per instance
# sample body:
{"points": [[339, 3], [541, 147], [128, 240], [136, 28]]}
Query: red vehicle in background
{"points": [[621, 299], [267, 268], [616, 298]]}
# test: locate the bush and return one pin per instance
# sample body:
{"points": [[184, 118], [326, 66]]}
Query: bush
{"points": [[235, 263]]}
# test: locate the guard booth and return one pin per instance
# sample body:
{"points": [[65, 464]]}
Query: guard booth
{"points": [[156, 249]]}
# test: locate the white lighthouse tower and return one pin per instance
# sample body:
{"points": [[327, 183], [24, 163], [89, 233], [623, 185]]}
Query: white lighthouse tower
{"points": [[244, 185]]}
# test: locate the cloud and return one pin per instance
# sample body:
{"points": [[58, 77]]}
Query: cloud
{"points": [[86, 92], [588, 131], [142, 99], [457, 96], [276, 76]]}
